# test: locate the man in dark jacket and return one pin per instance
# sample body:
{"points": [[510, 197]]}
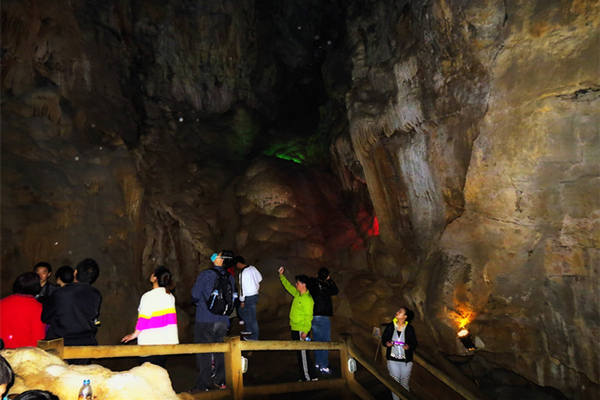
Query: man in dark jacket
{"points": [[321, 289], [72, 311], [44, 271], [209, 327]]}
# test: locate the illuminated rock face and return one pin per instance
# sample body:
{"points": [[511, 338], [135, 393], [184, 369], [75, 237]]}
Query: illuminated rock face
{"points": [[481, 153], [36, 369], [147, 135]]}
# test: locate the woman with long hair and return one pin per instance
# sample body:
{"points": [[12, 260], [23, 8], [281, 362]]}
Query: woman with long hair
{"points": [[157, 318]]}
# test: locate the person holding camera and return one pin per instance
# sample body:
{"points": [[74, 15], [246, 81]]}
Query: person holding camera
{"points": [[322, 288]]}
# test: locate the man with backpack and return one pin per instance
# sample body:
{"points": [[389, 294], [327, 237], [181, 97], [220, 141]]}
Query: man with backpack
{"points": [[214, 295]]}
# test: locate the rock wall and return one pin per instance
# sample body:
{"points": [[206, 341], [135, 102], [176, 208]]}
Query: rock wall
{"points": [[128, 134], [132, 132], [476, 125]]}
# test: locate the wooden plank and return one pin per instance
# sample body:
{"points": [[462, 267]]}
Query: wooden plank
{"points": [[290, 387], [74, 352], [344, 357], [54, 346], [440, 375], [252, 345], [233, 368], [360, 391], [387, 380], [209, 395]]}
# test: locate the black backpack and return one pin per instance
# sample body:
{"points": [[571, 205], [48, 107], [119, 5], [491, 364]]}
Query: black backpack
{"points": [[220, 301]]}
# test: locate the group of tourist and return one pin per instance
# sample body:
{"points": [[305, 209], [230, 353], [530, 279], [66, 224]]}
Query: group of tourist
{"points": [[38, 309], [310, 311]]}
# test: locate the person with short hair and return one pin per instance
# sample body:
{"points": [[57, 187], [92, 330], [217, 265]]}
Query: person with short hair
{"points": [[37, 395], [301, 315], [72, 311], [44, 271], [400, 341], [249, 285], [65, 275], [209, 327], [20, 323], [7, 377], [322, 288], [157, 317]]}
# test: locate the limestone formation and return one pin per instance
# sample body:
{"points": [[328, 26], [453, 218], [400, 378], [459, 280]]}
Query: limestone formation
{"points": [[37, 369]]}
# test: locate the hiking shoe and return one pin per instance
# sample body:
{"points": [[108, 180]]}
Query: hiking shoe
{"points": [[245, 333], [325, 370], [221, 386], [314, 379]]}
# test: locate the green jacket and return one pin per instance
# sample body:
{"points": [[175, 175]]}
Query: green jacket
{"points": [[301, 313]]}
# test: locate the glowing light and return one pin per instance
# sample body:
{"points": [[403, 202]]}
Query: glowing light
{"points": [[463, 332], [374, 230], [462, 317], [289, 158]]}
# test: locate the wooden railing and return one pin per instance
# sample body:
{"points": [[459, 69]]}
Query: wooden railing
{"points": [[233, 347]]}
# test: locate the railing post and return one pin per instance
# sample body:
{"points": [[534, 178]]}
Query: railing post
{"points": [[233, 368], [348, 376], [344, 357], [54, 346]]}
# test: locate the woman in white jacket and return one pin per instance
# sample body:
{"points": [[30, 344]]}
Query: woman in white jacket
{"points": [[157, 318]]}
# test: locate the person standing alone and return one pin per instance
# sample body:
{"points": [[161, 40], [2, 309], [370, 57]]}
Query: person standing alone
{"points": [[400, 341], [321, 289], [249, 285]]}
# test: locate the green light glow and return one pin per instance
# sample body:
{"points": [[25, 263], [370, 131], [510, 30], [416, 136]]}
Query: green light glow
{"points": [[293, 151], [289, 158]]}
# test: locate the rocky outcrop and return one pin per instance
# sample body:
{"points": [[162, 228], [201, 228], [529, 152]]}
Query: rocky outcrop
{"points": [[37, 369], [476, 126]]}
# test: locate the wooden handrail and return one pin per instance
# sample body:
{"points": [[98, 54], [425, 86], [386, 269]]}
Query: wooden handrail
{"points": [[290, 387], [233, 347], [386, 379], [439, 374], [75, 352], [289, 345]]}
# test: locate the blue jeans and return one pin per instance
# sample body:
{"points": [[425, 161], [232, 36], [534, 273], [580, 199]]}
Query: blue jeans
{"points": [[248, 314], [321, 330]]}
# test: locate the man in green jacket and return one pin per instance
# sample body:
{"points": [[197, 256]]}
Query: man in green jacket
{"points": [[301, 315]]}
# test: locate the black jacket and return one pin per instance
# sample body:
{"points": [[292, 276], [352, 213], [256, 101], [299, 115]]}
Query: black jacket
{"points": [[410, 338], [46, 292], [321, 292], [71, 313]]}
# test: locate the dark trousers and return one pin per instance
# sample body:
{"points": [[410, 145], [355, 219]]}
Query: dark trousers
{"points": [[306, 367], [80, 341], [248, 314], [209, 332]]}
